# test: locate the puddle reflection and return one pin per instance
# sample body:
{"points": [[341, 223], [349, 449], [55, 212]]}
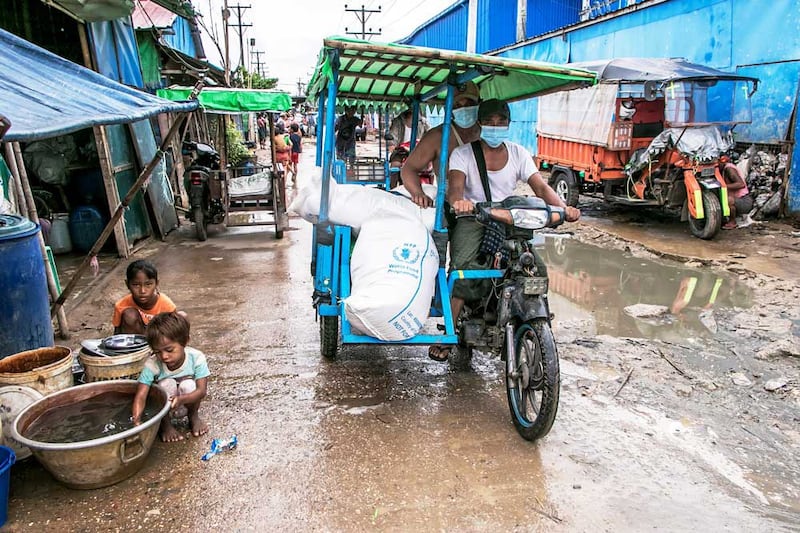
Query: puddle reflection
{"points": [[605, 282]]}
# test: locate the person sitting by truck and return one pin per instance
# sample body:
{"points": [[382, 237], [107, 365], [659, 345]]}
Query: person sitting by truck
{"points": [[740, 201]]}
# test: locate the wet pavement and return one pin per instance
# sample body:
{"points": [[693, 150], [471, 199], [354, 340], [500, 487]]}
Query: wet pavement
{"points": [[653, 431]]}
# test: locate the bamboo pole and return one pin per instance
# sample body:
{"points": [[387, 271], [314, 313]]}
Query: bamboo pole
{"points": [[118, 213], [110, 186], [21, 205], [22, 177]]}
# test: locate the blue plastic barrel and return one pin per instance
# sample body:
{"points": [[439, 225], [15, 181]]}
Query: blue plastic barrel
{"points": [[7, 459], [24, 301], [85, 226]]}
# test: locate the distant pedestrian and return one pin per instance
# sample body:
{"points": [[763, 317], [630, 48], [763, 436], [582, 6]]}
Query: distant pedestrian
{"points": [[262, 131], [297, 148], [345, 128]]}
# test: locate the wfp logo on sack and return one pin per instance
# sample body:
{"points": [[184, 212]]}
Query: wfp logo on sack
{"points": [[407, 253]]}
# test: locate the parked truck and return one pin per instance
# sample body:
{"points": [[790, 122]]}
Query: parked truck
{"points": [[651, 132]]}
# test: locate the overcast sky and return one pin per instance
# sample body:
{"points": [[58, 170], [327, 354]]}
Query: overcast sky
{"points": [[290, 32]]}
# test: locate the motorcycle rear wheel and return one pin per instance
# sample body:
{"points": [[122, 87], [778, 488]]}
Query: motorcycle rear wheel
{"points": [[532, 379], [200, 223]]}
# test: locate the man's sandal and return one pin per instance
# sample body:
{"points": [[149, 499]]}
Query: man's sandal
{"points": [[439, 353]]}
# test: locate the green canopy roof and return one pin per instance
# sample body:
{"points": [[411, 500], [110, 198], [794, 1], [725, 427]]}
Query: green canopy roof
{"points": [[376, 72], [232, 100]]}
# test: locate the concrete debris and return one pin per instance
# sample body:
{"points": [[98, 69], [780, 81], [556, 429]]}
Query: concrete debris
{"points": [[646, 310], [775, 384]]}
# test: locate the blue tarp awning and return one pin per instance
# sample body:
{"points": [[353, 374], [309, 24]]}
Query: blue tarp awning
{"points": [[44, 95]]}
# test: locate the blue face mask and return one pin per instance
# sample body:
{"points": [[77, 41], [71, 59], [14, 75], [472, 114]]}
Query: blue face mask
{"points": [[494, 135], [464, 117]]}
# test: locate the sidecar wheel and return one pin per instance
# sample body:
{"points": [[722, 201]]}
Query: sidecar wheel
{"points": [[329, 336], [533, 380]]}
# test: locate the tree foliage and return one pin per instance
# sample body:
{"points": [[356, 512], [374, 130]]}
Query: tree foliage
{"points": [[252, 80], [237, 151]]}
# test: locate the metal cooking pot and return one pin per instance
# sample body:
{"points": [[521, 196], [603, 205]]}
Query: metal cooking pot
{"points": [[99, 462]]}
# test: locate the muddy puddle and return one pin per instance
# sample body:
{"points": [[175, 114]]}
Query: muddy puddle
{"points": [[598, 284]]}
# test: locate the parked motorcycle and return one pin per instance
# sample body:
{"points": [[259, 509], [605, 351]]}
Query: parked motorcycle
{"points": [[205, 202], [513, 319]]}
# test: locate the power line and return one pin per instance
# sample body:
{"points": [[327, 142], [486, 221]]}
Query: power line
{"points": [[362, 15], [240, 26]]}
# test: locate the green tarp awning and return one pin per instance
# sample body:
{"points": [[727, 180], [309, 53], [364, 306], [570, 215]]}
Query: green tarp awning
{"points": [[394, 72], [231, 100]]}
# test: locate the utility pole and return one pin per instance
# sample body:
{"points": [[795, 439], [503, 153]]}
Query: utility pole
{"points": [[258, 61], [300, 86], [363, 15], [226, 14], [240, 28]]}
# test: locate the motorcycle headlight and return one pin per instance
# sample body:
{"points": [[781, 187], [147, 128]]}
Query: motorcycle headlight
{"points": [[530, 218]]}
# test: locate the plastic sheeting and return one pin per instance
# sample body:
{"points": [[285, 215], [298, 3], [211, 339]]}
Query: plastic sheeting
{"points": [[584, 115], [704, 144], [45, 95], [233, 100], [115, 51]]}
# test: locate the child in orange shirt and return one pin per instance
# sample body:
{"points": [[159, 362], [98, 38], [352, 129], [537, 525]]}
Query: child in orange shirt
{"points": [[133, 312]]}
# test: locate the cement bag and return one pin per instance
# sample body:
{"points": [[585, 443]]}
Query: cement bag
{"points": [[393, 275]]}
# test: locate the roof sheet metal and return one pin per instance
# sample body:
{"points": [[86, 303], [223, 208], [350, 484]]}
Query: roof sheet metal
{"points": [[543, 16], [45, 95], [497, 24], [447, 30], [147, 14]]}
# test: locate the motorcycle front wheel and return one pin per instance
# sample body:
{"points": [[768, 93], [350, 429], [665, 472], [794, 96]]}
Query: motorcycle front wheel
{"points": [[532, 378], [200, 223]]}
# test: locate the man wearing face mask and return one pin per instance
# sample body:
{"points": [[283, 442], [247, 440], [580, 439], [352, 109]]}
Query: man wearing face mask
{"points": [[507, 163], [463, 131]]}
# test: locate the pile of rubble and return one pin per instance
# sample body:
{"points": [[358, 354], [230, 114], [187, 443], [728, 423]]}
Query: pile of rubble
{"points": [[766, 176]]}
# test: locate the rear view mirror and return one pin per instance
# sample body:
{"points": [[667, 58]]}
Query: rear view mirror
{"points": [[650, 90]]}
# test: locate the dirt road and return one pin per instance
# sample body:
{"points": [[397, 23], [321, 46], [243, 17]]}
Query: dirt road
{"points": [[665, 422]]}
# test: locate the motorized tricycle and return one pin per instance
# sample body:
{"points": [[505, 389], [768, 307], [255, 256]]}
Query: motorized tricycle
{"points": [[354, 72], [650, 133], [216, 194]]}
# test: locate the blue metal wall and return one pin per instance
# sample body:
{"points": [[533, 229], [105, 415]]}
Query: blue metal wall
{"points": [[447, 31], [497, 24], [547, 15]]}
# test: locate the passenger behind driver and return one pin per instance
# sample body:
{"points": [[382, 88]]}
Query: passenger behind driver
{"points": [[507, 163], [464, 130]]}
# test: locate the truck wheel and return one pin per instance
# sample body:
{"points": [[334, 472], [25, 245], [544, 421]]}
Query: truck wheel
{"points": [[566, 188], [708, 226]]}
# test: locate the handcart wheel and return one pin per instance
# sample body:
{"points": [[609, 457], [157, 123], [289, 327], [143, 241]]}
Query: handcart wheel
{"points": [[329, 336]]}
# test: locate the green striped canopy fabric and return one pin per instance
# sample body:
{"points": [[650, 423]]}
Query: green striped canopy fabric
{"points": [[225, 100], [377, 72]]}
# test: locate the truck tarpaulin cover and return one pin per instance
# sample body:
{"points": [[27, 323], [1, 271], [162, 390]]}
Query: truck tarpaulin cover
{"points": [[584, 115], [45, 95]]}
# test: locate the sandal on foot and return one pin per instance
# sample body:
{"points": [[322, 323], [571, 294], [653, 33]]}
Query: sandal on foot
{"points": [[730, 225], [439, 353]]}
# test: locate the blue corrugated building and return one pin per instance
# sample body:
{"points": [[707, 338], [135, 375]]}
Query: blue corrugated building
{"points": [[750, 38]]}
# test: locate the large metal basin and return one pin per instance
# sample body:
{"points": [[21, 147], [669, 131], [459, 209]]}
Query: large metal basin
{"points": [[99, 462]]}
